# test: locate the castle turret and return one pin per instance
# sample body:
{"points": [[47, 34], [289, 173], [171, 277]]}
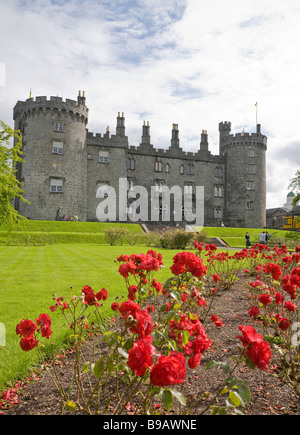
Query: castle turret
{"points": [[245, 178], [54, 171]]}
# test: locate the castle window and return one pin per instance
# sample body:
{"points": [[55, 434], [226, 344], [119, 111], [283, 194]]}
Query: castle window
{"points": [[158, 185], [130, 183], [181, 169], [219, 191], [189, 188], [168, 168], [250, 205], [102, 190], [103, 157], [251, 169], [56, 185], [158, 167], [57, 147], [251, 153], [190, 169], [58, 126], [250, 185], [219, 172], [218, 213], [130, 164]]}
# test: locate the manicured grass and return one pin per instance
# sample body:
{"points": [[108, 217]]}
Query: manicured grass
{"points": [[51, 232], [31, 274], [235, 237]]}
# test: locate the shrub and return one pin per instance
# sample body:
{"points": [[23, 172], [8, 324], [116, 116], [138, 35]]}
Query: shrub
{"points": [[115, 235]]}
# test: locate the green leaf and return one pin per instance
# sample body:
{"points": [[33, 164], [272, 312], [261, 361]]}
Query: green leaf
{"points": [[167, 399], [244, 392], [179, 396], [185, 337], [234, 399], [98, 368], [250, 363], [85, 367]]}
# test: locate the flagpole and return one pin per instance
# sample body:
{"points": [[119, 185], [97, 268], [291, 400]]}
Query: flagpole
{"points": [[256, 113]]}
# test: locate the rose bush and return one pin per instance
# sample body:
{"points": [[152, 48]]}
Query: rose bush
{"points": [[159, 332]]}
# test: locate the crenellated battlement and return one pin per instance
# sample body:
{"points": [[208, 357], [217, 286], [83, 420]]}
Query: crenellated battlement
{"points": [[42, 105]]}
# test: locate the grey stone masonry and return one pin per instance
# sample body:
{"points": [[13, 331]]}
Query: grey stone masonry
{"points": [[68, 170]]}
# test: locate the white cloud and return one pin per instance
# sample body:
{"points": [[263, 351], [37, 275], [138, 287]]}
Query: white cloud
{"points": [[191, 62]]}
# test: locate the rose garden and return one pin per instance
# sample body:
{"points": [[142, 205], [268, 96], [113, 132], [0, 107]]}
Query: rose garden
{"points": [[144, 356]]}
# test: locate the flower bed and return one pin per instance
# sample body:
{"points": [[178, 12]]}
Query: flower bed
{"points": [[166, 334]]}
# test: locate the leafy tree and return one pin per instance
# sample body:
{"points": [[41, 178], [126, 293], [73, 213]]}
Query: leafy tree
{"points": [[295, 185], [10, 186]]}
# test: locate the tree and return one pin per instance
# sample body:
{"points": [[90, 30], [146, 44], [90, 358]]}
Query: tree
{"points": [[10, 186], [295, 185]]}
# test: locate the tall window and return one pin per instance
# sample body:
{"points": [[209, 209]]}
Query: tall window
{"points": [[218, 213], [56, 185], [190, 169], [158, 185], [168, 168], [58, 126], [251, 169], [219, 172], [57, 147], [181, 169], [250, 205], [219, 191], [130, 183], [103, 157], [158, 167], [102, 189], [130, 164], [251, 153], [250, 185]]}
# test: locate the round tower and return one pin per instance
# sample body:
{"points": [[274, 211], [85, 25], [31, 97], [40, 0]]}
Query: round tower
{"points": [[54, 172], [245, 178]]}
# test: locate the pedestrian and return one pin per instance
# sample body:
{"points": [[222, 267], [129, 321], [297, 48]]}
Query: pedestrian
{"points": [[267, 238], [248, 243], [262, 238]]}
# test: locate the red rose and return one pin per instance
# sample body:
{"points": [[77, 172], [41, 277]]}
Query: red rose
{"points": [[258, 350], [253, 312], [102, 295], [169, 370], [28, 343], [284, 324], [260, 354], [115, 306], [26, 328], [140, 356], [265, 299], [290, 306], [279, 298]]}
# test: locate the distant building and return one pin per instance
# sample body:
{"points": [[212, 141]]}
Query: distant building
{"points": [[275, 217], [66, 166]]}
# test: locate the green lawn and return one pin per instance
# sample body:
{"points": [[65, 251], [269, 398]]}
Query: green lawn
{"points": [[31, 274], [235, 237]]}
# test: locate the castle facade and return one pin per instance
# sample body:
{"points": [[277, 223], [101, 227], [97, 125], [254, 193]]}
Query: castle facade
{"points": [[67, 169]]}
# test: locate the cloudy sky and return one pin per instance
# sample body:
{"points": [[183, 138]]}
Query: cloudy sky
{"points": [[190, 62]]}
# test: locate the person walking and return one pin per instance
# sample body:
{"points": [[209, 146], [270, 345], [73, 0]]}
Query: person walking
{"points": [[248, 243]]}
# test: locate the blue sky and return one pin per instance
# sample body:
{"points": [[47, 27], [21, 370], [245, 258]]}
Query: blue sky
{"points": [[191, 62]]}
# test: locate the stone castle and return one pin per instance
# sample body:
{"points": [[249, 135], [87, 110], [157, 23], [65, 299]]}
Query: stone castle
{"points": [[66, 166]]}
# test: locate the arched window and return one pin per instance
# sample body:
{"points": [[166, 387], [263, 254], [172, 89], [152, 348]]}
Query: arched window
{"points": [[168, 168], [181, 169], [158, 167]]}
